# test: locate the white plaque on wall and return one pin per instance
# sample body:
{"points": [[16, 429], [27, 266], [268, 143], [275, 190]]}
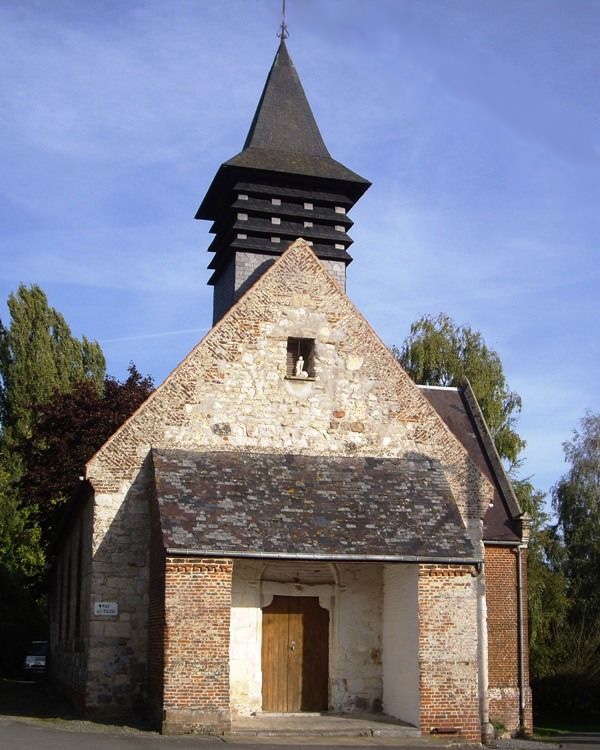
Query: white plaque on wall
{"points": [[106, 608]]}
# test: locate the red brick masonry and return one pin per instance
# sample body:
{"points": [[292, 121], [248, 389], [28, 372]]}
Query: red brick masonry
{"points": [[503, 637], [196, 658]]}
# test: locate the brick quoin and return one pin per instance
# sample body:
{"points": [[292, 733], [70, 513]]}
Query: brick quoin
{"points": [[196, 645], [448, 651], [503, 637]]}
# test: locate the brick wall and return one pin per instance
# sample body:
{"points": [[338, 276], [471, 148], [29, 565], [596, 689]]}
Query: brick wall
{"points": [[196, 640], [503, 636], [448, 650]]}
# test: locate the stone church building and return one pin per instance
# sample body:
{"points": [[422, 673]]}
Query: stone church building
{"points": [[289, 523]]}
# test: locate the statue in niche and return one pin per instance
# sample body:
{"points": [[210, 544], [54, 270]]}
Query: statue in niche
{"points": [[300, 371]]}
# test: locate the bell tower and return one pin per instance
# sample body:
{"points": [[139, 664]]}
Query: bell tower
{"points": [[281, 186]]}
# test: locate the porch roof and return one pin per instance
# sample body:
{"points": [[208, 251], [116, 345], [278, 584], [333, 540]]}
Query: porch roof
{"points": [[305, 507]]}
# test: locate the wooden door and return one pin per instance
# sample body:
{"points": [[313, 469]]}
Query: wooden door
{"points": [[295, 653]]}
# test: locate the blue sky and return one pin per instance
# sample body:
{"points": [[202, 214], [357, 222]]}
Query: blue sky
{"points": [[478, 123]]}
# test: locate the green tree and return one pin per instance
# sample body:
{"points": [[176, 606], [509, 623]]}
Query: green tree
{"points": [[546, 585], [21, 576], [38, 356], [576, 501], [65, 434], [20, 550], [439, 352]]}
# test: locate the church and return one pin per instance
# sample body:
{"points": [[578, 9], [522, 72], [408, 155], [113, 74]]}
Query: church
{"points": [[289, 524]]}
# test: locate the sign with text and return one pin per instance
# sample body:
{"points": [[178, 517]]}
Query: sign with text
{"points": [[106, 608]]}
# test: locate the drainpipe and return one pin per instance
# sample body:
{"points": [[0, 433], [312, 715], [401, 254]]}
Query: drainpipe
{"points": [[521, 637], [487, 730]]}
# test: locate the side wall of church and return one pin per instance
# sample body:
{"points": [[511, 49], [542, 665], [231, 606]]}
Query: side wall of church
{"points": [[69, 613], [503, 637], [156, 621]]}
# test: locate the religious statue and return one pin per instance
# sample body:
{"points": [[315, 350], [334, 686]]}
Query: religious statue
{"points": [[300, 371]]}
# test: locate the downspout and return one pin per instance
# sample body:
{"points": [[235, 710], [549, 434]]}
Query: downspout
{"points": [[487, 730], [521, 638]]}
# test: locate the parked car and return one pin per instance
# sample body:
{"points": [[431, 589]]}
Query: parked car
{"points": [[35, 661]]}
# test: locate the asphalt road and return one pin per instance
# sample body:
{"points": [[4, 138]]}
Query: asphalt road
{"points": [[42, 734], [33, 718]]}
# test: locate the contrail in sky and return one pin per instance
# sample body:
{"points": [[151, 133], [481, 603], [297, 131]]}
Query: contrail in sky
{"points": [[153, 335]]}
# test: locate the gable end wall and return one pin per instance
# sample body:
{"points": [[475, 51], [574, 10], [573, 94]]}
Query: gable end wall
{"points": [[231, 394]]}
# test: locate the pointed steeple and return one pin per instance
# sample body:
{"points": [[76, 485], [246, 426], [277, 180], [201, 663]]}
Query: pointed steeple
{"points": [[283, 120], [284, 135], [283, 185]]}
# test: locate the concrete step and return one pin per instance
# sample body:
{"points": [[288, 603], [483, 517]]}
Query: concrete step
{"points": [[322, 724]]}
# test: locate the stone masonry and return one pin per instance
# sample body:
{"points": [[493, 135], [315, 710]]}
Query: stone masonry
{"points": [[232, 394]]}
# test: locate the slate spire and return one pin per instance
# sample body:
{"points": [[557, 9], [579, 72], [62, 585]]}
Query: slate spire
{"points": [[284, 135], [283, 120], [284, 184]]}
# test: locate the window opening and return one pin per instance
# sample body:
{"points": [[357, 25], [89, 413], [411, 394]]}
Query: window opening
{"points": [[300, 358]]}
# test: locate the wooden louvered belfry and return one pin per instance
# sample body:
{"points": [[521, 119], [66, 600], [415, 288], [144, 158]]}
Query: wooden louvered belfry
{"points": [[283, 185]]}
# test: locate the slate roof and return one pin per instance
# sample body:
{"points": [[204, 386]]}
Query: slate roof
{"points": [[306, 507], [283, 141], [284, 136], [456, 406]]}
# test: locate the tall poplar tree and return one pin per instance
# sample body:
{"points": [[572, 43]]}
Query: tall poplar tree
{"points": [[39, 356]]}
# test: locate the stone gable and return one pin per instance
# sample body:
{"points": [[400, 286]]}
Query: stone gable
{"points": [[231, 392]]}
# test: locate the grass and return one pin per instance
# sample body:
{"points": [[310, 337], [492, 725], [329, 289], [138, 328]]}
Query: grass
{"points": [[549, 727]]}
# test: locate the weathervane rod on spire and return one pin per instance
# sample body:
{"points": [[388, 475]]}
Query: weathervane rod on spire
{"points": [[283, 32]]}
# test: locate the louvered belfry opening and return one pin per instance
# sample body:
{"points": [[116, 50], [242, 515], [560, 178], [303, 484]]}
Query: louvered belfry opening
{"points": [[283, 185]]}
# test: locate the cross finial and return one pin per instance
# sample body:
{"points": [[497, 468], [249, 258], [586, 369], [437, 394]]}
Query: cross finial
{"points": [[283, 32]]}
